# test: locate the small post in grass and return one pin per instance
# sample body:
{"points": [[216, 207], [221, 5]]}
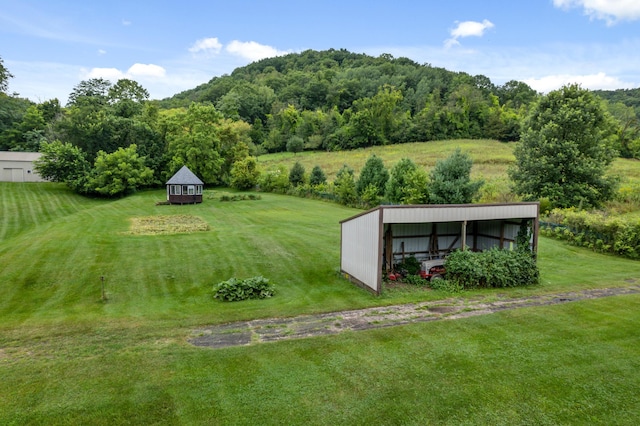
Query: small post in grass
{"points": [[104, 295]]}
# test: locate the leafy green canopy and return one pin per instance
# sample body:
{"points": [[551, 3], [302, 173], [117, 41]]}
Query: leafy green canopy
{"points": [[373, 174], [407, 183], [5, 75], [565, 150]]}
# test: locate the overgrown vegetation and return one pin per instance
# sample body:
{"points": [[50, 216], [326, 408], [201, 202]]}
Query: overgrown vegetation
{"points": [[233, 289], [167, 224], [491, 268], [595, 230]]}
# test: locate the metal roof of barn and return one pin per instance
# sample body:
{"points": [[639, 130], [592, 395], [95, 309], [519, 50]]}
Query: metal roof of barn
{"points": [[184, 176], [424, 213], [19, 156]]}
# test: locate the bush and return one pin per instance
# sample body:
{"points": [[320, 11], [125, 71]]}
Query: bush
{"points": [[409, 266], [416, 280], [491, 268], [250, 288]]}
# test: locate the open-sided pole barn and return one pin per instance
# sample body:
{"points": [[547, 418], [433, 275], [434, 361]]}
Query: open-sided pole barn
{"points": [[374, 241]]}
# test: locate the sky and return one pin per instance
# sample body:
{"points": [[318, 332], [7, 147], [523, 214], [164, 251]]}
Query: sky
{"points": [[170, 46]]}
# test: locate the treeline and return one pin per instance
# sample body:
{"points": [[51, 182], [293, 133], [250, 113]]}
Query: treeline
{"points": [[329, 100]]}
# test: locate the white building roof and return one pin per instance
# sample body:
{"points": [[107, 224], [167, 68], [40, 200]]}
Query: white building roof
{"points": [[19, 156]]}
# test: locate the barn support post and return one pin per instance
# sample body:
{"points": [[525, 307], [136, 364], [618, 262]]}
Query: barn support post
{"points": [[475, 236], [464, 235], [388, 239], [434, 246]]}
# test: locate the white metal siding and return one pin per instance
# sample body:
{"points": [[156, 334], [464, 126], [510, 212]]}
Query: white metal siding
{"points": [[424, 214], [18, 167], [360, 248]]}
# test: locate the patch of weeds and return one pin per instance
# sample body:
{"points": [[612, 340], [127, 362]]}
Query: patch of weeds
{"points": [[164, 225], [239, 197], [447, 286]]}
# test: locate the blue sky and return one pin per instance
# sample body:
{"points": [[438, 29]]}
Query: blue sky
{"points": [[170, 46]]}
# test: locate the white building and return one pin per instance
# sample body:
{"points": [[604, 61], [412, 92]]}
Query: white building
{"points": [[18, 167]]}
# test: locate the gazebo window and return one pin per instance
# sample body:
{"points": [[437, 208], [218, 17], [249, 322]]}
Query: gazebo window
{"points": [[191, 190], [174, 189], [198, 189]]}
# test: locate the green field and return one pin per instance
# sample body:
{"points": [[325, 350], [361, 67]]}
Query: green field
{"points": [[69, 357]]}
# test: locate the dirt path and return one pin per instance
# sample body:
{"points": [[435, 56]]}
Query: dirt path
{"points": [[267, 330]]}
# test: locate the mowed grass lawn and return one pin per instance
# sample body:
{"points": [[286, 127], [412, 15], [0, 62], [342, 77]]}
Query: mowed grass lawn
{"points": [[67, 357]]}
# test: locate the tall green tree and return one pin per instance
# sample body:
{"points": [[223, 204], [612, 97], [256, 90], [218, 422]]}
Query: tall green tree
{"points": [[317, 176], [245, 173], [93, 92], [63, 162], [407, 183], [373, 175], [450, 180], [28, 133], [193, 141], [119, 173], [344, 186], [296, 174], [5, 75], [565, 150]]}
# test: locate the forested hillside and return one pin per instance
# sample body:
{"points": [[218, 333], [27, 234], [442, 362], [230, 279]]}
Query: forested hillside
{"points": [[111, 139], [336, 99]]}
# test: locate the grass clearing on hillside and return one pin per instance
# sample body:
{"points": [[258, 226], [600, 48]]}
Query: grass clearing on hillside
{"points": [[490, 157], [166, 225]]}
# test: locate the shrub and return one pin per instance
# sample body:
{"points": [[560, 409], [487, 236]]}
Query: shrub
{"points": [[296, 174], [317, 176], [250, 288], [409, 266], [491, 268], [416, 280]]}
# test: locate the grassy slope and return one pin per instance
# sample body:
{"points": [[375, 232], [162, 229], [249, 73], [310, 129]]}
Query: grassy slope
{"points": [[67, 357], [491, 158]]}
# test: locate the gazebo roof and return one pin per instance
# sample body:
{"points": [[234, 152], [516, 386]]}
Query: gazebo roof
{"points": [[184, 176]]}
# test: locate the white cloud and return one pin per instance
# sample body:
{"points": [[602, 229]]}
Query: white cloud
{"points": [[599, 81], [126, 22], [252, 50], [207, 45], [146, 70], [468, 29], [102, 52], [106, 73], [610, 11], [135, 72]]}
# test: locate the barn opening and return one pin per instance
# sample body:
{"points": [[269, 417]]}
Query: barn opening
{"points": [[373, 242]]}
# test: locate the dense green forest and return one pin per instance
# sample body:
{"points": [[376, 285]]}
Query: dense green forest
{"points": [[328, 100]]}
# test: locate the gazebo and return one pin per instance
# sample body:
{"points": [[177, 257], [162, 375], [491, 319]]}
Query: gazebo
{"points": [[184, 187]]}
